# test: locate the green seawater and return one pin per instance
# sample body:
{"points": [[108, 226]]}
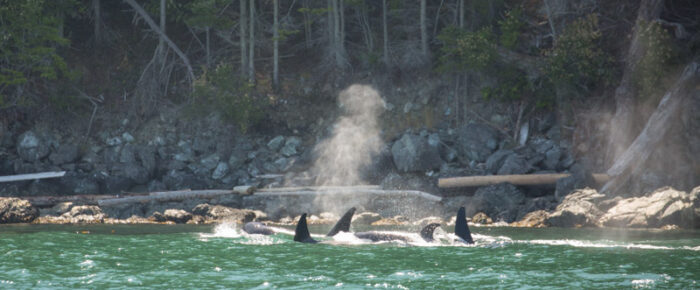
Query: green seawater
{"points": [[190, 256]]}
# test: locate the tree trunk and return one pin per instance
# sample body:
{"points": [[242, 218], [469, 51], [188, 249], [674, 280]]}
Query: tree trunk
{"points": [[307, 24], [385, 33], [275, 50], [207, 29], [622, 124], [460, 7], [161, 42], [423, 30], [243, 29], [251, 42], [630, 163], [98, 20]]}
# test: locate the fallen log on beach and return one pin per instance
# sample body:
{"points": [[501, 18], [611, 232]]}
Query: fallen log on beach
{"points": [[32, 176], [165, 196], [517, 179]]}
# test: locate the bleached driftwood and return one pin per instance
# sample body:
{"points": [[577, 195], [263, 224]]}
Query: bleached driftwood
{"points": [[516, 179], [317, 188], [165, 196], [31, 176], [339, 191]]}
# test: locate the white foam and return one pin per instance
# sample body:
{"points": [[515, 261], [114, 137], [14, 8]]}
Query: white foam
{"points": [[605, 244], [224, 230]]}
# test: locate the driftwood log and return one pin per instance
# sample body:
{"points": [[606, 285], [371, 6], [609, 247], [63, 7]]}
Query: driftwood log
{"points": [[32, 176], [516, 179], [378, 192], [164, 196]]}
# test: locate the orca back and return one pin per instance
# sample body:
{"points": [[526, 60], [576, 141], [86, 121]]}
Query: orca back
{"points": [[461, 227], [427, 232], [343, 225], [301, 233]]}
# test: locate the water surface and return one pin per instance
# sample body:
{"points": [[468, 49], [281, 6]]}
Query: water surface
{"points": [[189, 256]]}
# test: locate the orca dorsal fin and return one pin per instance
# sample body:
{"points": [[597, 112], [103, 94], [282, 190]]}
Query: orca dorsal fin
{"points": [[343, 224], [427, 232], [461, 227], [301, 234]]}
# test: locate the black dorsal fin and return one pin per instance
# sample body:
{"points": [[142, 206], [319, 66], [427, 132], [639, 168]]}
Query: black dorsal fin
{"points": [[427, 232], [461, 227], [343, 225], [301, 234]]}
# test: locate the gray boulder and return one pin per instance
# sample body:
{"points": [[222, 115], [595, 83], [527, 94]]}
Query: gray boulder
{"points": [[79, 184], [578, 209], [210, 162], [413, 153], [514, 164], [477, 141], [220, 212], [177, 216], [495, 161], [276, 143], [499, 201], [665, 206], [15, 210], [84, 214], [291, 146], [31, 147], [66, 153], [366, 218], [220, 171]]}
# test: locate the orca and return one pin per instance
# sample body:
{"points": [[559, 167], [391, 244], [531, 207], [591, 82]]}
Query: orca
{"points": [[301, 233], [461, 227], [258, 228], [343, 225], [426, 233]]}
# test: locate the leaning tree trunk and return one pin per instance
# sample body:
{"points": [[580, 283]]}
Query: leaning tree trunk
{"points": [[161, 33], [622, 129], [631, 162]]}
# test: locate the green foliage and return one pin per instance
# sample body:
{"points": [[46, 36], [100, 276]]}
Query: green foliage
{"points": [[577, 60], [464, 50], [29, 40], [223, 90], [512, 85], [510, 28], [658, 51], [207, 13]]}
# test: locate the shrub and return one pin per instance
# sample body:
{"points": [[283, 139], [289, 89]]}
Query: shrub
{"points": [[658, 51], [464, 50], [576, 60], [223, 90], [510, 28], [29, 61]]}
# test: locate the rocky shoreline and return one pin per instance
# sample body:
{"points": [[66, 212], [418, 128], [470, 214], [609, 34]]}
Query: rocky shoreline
{"points": [[664, 208]]}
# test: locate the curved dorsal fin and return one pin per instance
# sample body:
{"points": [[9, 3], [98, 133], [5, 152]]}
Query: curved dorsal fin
{"points": [[301, 234], [461, 227], [427, 232], [343, 224]]}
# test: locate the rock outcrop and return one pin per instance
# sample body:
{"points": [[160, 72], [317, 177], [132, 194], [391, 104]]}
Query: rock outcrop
{"points": [[578, 209], [665, 206], [15, 210]]}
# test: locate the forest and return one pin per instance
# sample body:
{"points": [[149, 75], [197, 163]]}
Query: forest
{"points": [[101, 61]]}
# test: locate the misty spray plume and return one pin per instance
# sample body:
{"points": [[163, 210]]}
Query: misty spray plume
{"points": [[355, 139]]}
